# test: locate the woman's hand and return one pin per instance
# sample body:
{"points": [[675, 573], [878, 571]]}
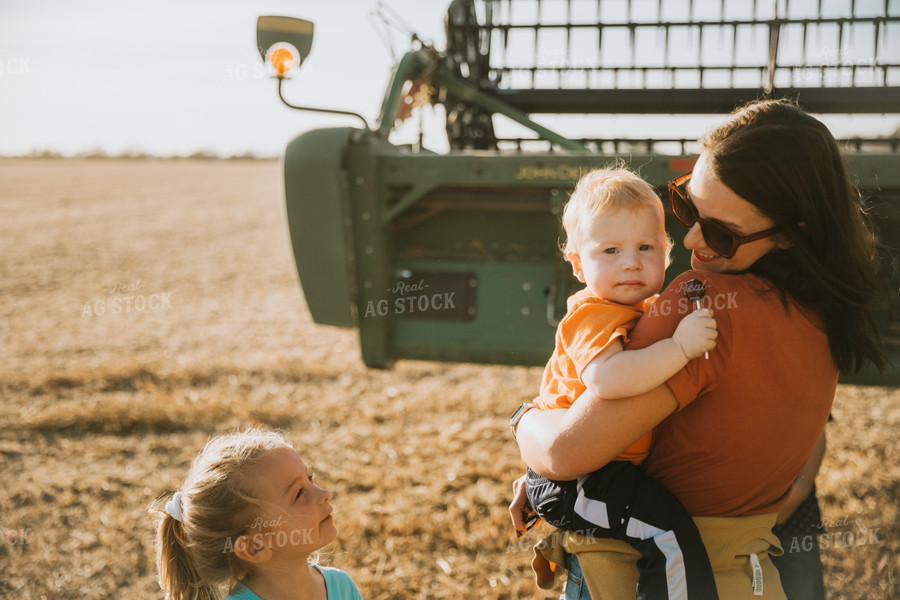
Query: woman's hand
{"points": [[518, 504], [520, 511]]}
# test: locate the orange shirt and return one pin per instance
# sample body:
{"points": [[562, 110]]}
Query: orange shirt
{"points": [[750, 415], [590, 325]]}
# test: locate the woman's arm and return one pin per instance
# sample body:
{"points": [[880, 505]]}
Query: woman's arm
{"points": [[565, 444]]}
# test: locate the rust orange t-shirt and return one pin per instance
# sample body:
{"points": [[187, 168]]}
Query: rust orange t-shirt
{"points": [[590, 325], [750, 415]]}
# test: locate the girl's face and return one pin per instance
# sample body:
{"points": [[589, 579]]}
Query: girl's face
{"points": [[715, 201], [297, 516]]}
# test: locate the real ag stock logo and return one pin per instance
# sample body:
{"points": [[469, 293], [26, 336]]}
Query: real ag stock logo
{"points": [[126, 298]]}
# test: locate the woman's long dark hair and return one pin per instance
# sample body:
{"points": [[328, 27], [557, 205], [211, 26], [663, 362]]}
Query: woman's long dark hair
{"points": [[787, 164]]}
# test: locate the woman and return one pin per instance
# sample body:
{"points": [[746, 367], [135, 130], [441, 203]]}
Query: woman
{"points": [[780, 242]]}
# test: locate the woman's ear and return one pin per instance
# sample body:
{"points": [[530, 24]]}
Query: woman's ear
{"points": [[782, 241], [252, 548], [573, 258]]}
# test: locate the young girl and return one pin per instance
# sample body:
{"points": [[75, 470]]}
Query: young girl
{"points": [[247, 518]]}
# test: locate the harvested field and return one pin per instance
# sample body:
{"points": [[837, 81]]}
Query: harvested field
{"points": [[147, 305]]}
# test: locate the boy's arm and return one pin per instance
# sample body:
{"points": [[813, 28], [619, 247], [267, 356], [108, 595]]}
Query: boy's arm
{"points": [[619, 373]]}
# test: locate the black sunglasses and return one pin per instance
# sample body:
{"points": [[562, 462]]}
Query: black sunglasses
{"points": [[719, 238]]}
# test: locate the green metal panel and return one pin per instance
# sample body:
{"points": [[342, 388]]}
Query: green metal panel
{"points": [[508, 326], [456, 257], [371, 260], [874, 171], [495, 219], [315, 198], [504, 208]]}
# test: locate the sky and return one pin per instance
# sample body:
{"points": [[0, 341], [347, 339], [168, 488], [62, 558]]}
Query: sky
{"points": [[177, 76], [181, 76]]}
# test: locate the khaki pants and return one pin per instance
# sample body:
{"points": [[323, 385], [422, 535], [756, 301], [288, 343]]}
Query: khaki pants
{"points": [[738, 548]]}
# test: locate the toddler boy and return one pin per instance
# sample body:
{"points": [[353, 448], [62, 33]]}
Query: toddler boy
{"points": [[617, 245]]}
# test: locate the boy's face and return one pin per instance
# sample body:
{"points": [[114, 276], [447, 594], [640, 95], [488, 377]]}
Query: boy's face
{"points": [[622, 257]]}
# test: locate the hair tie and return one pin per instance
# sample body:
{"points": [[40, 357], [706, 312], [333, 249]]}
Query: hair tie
{"points": [[173, 507]]}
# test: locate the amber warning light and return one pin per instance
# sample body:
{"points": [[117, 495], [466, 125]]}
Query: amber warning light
{"points": [[283, 44], [284, 58]]}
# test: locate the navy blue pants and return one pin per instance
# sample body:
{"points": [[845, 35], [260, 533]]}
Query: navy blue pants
{"points": [[622, 502], [800, 567]]}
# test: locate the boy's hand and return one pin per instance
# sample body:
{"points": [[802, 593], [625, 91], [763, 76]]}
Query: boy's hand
{"points": [[696, 333]]}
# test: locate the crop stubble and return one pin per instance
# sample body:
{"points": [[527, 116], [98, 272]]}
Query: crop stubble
{"points": [[106, 400]]}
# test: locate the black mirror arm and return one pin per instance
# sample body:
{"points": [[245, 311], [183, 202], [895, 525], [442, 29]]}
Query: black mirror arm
{"points": [[321, 110]]}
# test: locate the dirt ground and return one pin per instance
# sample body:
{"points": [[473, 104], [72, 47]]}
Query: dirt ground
{"points": [[146, 305]]}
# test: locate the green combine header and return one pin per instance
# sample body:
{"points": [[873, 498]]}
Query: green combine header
{"points": [[455, 256]]}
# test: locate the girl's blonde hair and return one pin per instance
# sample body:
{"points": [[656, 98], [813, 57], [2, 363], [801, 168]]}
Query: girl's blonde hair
{"points": [[599, 192], [195, 558]]}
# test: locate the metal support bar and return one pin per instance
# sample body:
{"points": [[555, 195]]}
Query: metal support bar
{"points": [[409, 68], [493, 104], [420, 64], [408, 199], [696, 101]]}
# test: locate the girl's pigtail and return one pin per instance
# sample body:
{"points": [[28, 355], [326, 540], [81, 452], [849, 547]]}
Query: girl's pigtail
{"points": [[178, 576]]}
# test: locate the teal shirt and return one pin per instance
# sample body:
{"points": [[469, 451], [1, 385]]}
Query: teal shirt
{"points": [[337, 583]]}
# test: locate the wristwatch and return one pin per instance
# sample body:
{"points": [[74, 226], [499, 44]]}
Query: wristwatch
{"points": [[517, 416]]}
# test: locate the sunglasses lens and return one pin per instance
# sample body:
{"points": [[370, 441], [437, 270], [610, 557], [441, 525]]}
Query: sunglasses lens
{"points": [[681, 209], [718, 239]]}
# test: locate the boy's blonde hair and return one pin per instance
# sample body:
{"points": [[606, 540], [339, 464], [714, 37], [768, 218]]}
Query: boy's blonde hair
{"points": [[195, 558], [604, 191]]}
